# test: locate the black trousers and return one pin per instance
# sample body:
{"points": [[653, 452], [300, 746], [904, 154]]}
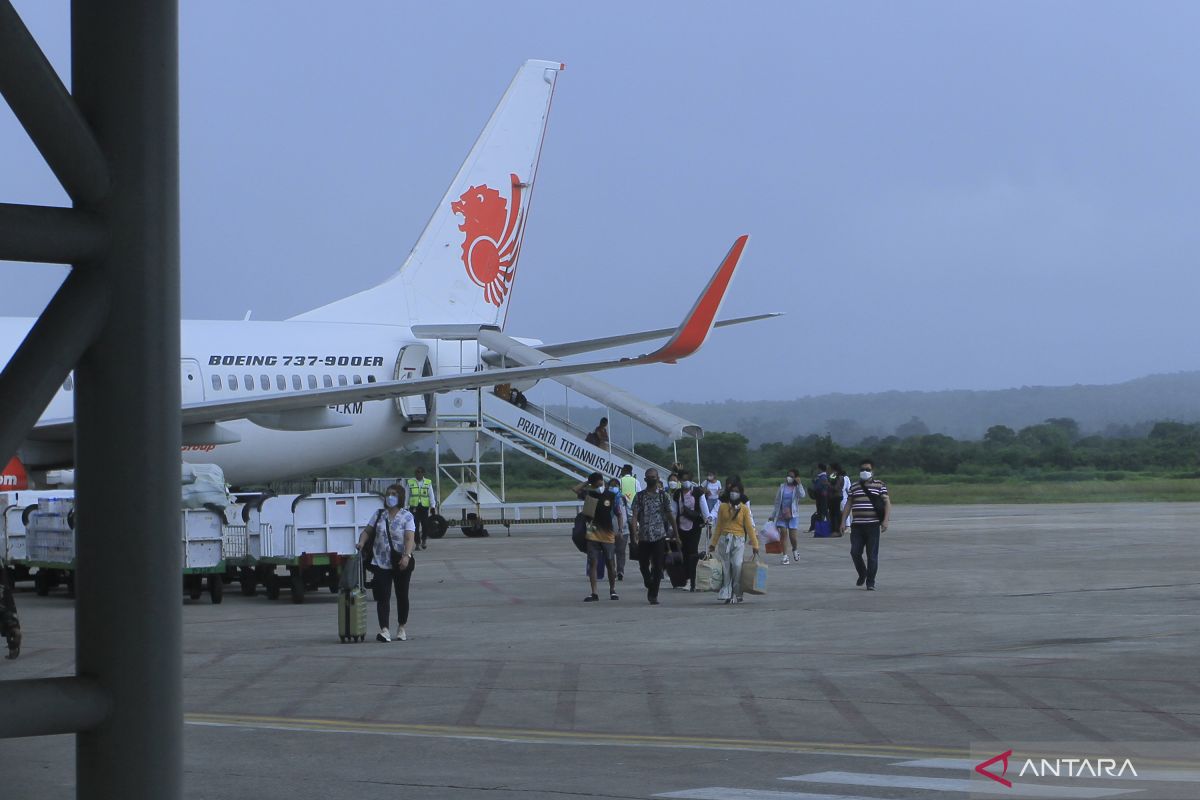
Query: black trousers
{"points": [[822, 507], [420, 515], [385, 580], [690, 541], [652, 559], [835, 515], [865, 535]]}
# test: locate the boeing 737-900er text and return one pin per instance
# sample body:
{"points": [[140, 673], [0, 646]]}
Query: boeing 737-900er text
{"points": [[349, 380]]}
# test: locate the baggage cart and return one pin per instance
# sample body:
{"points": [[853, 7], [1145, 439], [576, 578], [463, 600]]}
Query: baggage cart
{"points": [[302, 540], [203, 556], [50, 543]]}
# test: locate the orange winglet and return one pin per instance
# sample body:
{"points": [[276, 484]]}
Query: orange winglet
{"points": [[699, 321]]}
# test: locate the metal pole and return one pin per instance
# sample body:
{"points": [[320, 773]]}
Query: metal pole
{"points": [[67, 326], [125, 75], [51, 706], [50, 235], [48, 113]]}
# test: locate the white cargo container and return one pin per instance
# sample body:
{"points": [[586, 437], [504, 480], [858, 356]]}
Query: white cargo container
{"points": [[202, 537], [13, 513], [305, 535]]}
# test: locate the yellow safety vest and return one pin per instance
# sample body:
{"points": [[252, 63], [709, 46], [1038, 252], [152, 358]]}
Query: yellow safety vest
{"points": [[419, 492]]}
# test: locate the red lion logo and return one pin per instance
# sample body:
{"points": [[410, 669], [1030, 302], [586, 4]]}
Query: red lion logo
{"points": [[493, 238]]}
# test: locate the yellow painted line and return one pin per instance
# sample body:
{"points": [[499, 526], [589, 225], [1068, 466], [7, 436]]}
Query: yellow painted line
{"points": [[536, 736]]}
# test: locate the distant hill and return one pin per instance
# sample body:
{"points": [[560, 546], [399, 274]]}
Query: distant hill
{"points": [[1122, 408]]}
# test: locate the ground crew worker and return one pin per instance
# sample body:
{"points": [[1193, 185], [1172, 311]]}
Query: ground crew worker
{"points": [[10, 626], [421, 503], [629, 484]]}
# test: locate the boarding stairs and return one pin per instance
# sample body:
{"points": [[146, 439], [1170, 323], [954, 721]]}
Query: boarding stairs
{"points": [[537, 433]]}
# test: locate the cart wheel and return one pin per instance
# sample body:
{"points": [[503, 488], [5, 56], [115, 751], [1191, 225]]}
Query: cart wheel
{"points": [[41, 583], [216, 589], [297, 586], [271, 581], [249, 584], [195, 586]]}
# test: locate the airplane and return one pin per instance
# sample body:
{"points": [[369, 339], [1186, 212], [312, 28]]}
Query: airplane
{"points": [[267, 400]]}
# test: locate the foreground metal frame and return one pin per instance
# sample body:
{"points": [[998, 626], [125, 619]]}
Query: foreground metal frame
{"points": [[113, 144]]}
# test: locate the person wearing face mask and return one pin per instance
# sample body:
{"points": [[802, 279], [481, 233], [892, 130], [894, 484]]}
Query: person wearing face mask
{"points": [[620, 525], [651, 525], [786, 513], [688, 502], [735, 527], [387, 546], [868, 501], [601, 536], [712, 494]]}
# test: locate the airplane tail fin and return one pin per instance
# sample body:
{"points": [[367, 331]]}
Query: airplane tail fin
{"points": [[462, 268]]}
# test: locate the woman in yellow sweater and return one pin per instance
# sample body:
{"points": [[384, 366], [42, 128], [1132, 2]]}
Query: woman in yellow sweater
{"points": [[735, 527]]}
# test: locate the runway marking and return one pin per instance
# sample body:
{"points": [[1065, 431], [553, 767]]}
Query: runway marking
{"points": [[478, 698], [953, 785], [726, 793], [535, 736]]}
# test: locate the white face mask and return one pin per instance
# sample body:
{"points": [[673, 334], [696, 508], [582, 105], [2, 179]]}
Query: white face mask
{"points": [[735, 496], [673, 485], [790, 480], [866, 474], [392, 501], [688, 484], [712, 479]]}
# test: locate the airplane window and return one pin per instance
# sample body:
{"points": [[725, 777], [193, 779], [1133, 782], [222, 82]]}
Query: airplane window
{"points": [[68, 384], [370, 379], [342, 380], [216, 382], [312, 381], [249, 383], [357, 380], [296, 384], [233, 383], [328, 380], [264, 383], [280, 383]]}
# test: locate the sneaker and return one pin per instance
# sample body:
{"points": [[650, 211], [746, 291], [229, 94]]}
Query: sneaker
{"points": [[383, 636], [871, 587], [861, 580], [653, 601], [739, 599], [591, 598], [796, 556], [620, 576], [401, 634], [613, 596], [785, 561]]}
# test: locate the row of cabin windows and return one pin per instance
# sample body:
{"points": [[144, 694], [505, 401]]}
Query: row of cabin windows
{"points": [[264, 382], [281, 384]]}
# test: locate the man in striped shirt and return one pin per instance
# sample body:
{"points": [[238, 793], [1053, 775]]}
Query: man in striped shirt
{"points": [[869, 504]]}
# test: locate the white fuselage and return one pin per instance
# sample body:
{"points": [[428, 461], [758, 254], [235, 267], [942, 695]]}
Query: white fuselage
{"points": [[226, 360]]}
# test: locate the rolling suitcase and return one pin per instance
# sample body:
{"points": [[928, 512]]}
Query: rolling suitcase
{"points": [[352, 602], [676, 567]]}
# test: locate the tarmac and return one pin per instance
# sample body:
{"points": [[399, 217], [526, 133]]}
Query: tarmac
{"points": [[991, 625]]}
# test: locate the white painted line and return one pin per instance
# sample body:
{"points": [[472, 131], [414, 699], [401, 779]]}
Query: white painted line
{"points": [[954, 785], [726, 793], [1163, 775]]}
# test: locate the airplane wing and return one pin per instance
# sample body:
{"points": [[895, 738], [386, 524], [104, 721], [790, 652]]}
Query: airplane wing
{"points": [[609, 342], [685, 340]]}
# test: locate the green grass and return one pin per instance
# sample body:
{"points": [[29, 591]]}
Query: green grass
{"points": [[1144, 489]]}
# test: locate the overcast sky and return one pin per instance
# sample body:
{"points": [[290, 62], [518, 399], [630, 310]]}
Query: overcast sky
{"points": [[939, 195]]}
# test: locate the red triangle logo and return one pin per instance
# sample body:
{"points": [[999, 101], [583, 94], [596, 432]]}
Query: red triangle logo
{"points": [[13, 478], [982, 768]]}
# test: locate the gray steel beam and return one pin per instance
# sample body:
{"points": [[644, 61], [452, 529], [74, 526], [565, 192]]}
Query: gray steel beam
{"points": [[50, 235], [125, 75], [69, 324], [51, 706], [48, 113]]}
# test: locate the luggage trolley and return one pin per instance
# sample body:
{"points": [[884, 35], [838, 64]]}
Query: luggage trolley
{"points": [[306, 537], [50, 543], [203, 552]]}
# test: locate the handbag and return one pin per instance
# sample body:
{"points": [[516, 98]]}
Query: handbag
{"points": [[876, 501], [579, 533], [589, 505]]}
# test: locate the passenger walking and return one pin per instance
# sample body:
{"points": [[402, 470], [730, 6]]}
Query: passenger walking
{"points": [[652, 524], [421, 503], [839, 489], [871, 508], [820, 496], [620, 525], [712, 494], [688, 502], [735, 527], [387, 545], [786, 513], [598, 504]]}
